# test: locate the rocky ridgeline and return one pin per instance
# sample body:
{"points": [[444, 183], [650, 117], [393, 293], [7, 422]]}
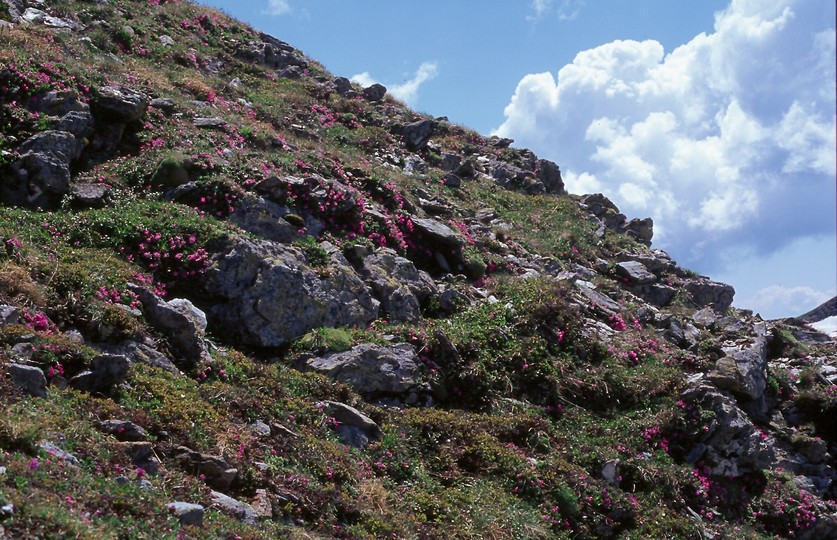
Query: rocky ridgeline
{"points": [[267, 283]]}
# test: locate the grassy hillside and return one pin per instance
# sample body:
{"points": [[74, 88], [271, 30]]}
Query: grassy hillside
{"points": [[157, 150]]}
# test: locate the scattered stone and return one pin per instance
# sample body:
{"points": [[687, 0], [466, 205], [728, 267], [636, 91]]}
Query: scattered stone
{"points": [[187, 513], [370, 369], [124, 430], [375, 92], [355, 428], [241, 510], [417, 134], [262, 505], [450, 162], [635, 272], [178, 319], [142, 455], [7, 511], [9, 315], [260, 429], [164, 104], [218, 473], [59, 453], [107, 371], [120, 104], [29, 378], [213, 122], [89, 195]]}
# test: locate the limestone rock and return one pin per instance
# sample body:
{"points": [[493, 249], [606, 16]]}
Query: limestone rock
{"points": [[241, 510], [120, 104], [641, 230], [744, 370], [355, 428], [707, 293], [29, 378], [219, 474], [397, 283], [9, 315], [265, 219], [375, 92], [371, 370], [37, 16], [179, 320], [272, 53], [187, 513], [550, 176], [124, 430], [417, 134], [267, 296], [107, 371], [731, 445], [343, 86], [635, 272]]}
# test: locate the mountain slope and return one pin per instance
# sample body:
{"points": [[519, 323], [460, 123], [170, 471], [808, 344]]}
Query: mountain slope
{"points": [[241, 297]]}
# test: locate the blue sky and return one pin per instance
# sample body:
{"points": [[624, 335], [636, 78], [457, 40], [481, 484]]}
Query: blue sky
{"points": [[716, 118]]}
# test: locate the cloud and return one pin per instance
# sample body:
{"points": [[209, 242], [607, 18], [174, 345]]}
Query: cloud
{"points": [[798, 299], [726, 141], [566, 10], [408, 90], [278, 7]]}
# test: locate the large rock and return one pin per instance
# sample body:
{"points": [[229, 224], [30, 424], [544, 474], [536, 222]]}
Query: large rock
{"points": [[417, 134], [265, 219], [372, 370], [641, 230], [266, 295], [124, 430], [635, 272], [42, 173], [187, 513], [181, 322], [550, 176], [241, 510], [120, 104], [743, 370], [398, 284], [730, 445], [107, 371], [29, 378], [706, 293], [37, 16], [375, 92], [272, 53], [516, 178], [218, 473], [354, 428]]}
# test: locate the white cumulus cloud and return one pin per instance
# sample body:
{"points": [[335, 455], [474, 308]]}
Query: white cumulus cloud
{"points": [[727, 140], [408, 91], [278, 7]]}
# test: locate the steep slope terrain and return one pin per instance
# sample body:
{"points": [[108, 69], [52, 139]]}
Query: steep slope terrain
{"points": [[241, 297]]}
